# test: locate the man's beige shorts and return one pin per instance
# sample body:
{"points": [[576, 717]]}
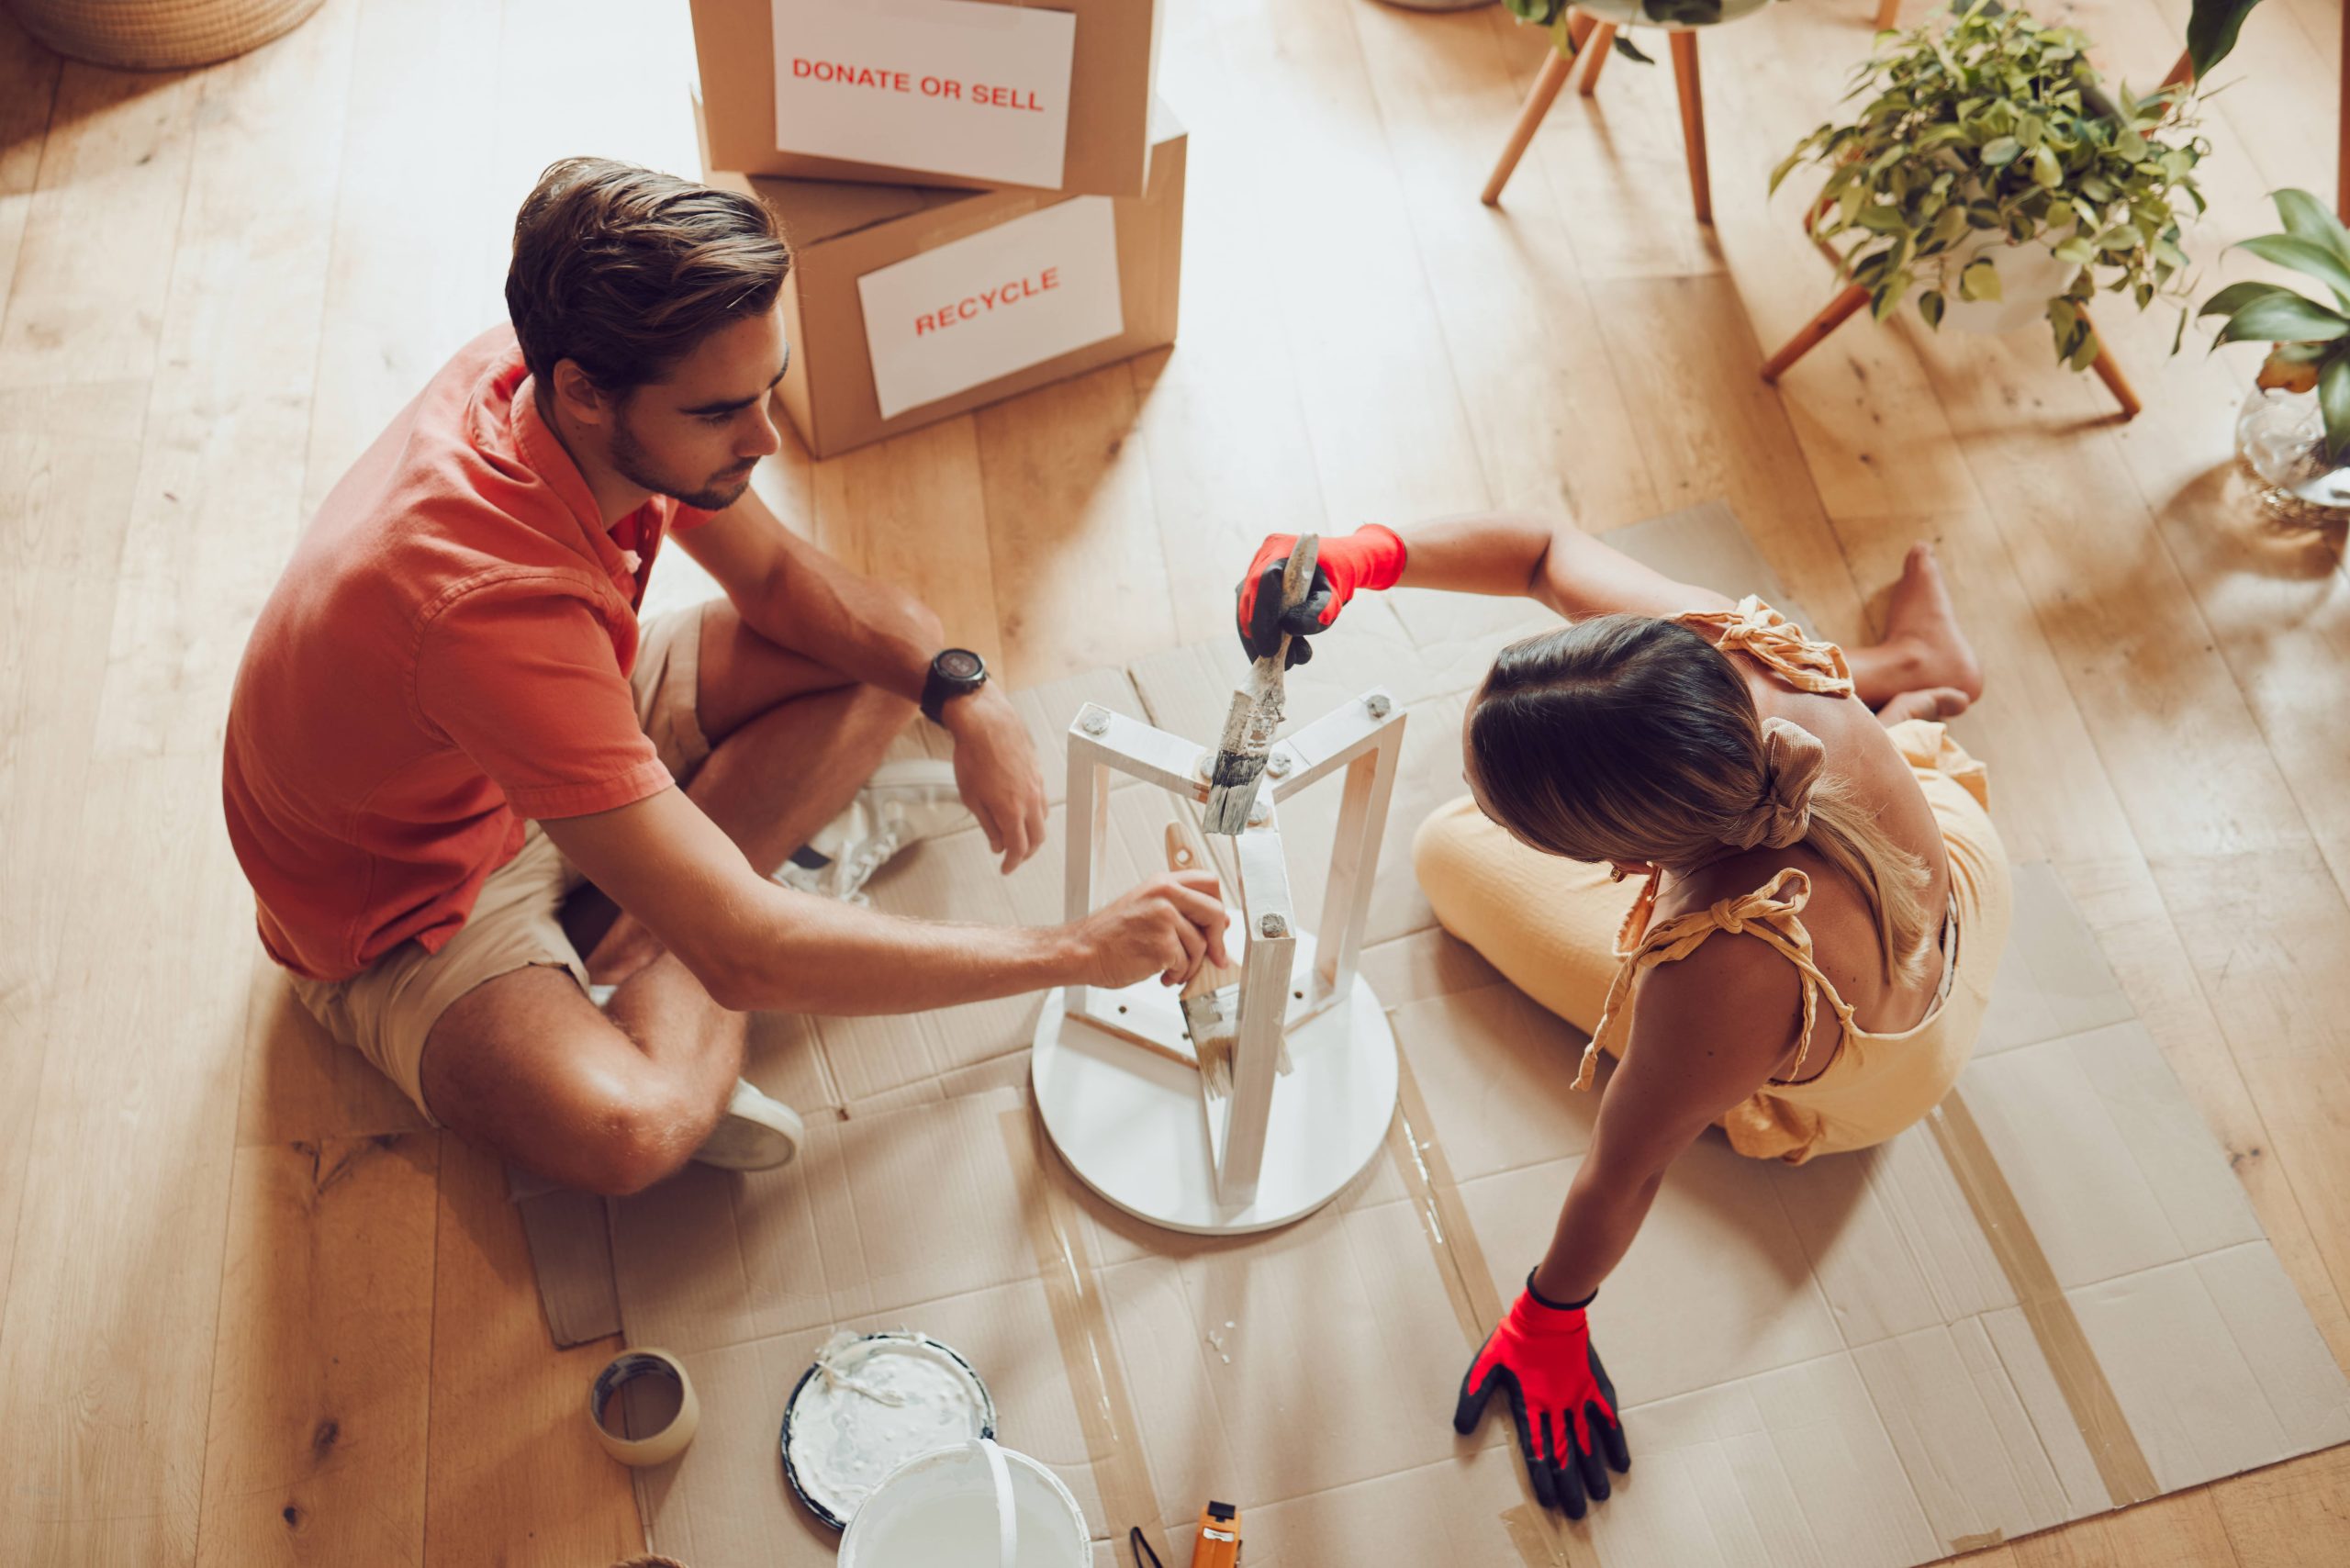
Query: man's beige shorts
{"points": [[387, 1010]]}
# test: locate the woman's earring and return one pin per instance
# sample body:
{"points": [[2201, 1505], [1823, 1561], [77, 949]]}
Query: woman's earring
{"points": [[1616, 873]]}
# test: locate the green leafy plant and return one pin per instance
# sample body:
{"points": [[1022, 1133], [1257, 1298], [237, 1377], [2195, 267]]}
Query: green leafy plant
{"points": [[2212, 28], [1993, 131], [2311, 339]]}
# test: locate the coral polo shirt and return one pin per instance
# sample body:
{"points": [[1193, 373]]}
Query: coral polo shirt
{"points": [[447, 654]]}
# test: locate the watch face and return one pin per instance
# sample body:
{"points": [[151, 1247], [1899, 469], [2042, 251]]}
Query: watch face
{"points": [[960, 664]]}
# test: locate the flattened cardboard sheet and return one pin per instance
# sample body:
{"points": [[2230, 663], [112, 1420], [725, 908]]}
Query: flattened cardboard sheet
{"points": [[1829, 1363]]}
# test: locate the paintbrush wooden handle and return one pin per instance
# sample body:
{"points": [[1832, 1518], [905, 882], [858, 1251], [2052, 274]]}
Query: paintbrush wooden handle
{"points": [[1186, 853], [1297, 586]]}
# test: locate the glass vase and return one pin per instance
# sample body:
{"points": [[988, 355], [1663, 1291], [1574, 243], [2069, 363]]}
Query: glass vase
{"points": [[2280, 446]]}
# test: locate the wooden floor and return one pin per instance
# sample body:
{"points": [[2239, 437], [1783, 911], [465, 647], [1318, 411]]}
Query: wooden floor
{"points": [[255, 1314]]}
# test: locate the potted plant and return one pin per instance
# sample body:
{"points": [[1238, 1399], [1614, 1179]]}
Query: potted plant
{"points": [[1991, 169], [2294, 431]]}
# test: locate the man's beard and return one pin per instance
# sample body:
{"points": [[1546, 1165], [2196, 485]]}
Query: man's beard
{"points": [[635, 465]]}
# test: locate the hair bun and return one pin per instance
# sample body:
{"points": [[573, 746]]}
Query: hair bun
{"points": [[1792, 759]]}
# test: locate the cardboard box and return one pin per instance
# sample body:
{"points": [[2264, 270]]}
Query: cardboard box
{"points": [[947, 93], [2051, 1298], [906, 305]]}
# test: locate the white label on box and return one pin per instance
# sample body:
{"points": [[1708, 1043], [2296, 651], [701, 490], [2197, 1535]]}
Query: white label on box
{"points": [[993, 302], [945, 87]]}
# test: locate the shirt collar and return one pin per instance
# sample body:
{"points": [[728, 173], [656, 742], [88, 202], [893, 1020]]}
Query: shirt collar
{"points": [[541, 450]]}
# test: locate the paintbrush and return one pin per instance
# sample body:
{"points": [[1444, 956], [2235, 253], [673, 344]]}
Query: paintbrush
{"points": [[1256, 711], [1212, 998]]}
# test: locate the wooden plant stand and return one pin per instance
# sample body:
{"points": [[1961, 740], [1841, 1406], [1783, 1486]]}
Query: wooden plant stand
{"points": [[1593, 41], [1855, 298]]}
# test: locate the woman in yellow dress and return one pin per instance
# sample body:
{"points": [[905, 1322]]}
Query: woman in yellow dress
{"points": [[1750, 866]]}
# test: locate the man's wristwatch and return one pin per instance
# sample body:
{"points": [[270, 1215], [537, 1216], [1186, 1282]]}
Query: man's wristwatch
{"points": [[956, 672]]}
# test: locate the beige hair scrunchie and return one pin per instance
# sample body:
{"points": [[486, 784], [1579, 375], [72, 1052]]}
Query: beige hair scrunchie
{"points": [[1792, 759]]}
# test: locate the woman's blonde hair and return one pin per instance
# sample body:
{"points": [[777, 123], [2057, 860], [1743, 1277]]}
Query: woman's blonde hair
{"points": [[1629, 738]]}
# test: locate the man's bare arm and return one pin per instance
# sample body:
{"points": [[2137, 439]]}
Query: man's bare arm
{"points": [[754, 944], [798, 598]]}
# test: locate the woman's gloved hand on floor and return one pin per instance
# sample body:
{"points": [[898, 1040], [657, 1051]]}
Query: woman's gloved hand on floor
{"points": [[1540, 1355], [1370, 557]]}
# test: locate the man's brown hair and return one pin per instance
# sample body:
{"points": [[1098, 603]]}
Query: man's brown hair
{"points": [[624, 270]]}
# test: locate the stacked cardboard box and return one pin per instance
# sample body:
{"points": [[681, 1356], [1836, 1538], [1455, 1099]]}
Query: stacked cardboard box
{"points": [[982, 196]]}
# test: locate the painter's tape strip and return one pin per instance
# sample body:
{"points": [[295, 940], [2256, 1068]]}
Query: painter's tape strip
{"points": [[1428, 1177], [1541, 1536], [2114, 1447], [1097, 1379], [662, 1446]]}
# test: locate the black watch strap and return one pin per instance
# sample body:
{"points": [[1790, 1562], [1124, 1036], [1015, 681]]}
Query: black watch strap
{"points": [[956, 672]]}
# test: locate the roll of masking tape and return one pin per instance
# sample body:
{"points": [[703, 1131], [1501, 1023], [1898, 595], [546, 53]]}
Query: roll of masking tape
{"points": [[657, 1448]]}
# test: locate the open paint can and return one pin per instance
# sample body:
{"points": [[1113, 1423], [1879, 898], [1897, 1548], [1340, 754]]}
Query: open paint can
{"points": [[870, 1403], [976, 1507]]}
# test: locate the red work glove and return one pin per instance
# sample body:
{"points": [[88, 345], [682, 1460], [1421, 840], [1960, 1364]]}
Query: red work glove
{"points": [[1559, 1396], [1370, 557]]}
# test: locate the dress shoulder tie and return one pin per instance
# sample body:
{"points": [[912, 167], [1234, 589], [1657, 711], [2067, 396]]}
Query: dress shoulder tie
{"points": [[1772, 912], [1771, 639]]}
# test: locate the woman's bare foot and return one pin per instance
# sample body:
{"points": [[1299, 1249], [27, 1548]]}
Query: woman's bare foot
{"points": [[1923, 648], [1934, 702]]}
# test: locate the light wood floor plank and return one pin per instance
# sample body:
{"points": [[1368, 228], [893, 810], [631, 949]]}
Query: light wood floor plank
{"points": [[1070, 529], [2182, 1531], [228, 421], [1708, 427], [67, 460], [105, 1353], [1547, 411], [912, 511], [414, 270], [1390, 437], [513, 1474], [29, 74], [1221, 419], [317, 1433], [140, 1092], [94, 258], [2290, 1516]]}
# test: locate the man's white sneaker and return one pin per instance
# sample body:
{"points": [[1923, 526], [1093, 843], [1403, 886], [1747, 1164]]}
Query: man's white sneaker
{"points": [[904, 804], [754, 1133]]}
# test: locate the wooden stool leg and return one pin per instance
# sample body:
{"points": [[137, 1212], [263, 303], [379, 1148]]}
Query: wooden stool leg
{"points": [[1888, 14], [2108, 370], [1692, 121], [1815, 332], [2182, 71], [1553, 76], [1602, 45]]}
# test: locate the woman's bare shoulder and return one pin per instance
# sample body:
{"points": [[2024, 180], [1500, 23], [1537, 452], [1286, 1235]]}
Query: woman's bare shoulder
{"points": [[1722, 1018]]}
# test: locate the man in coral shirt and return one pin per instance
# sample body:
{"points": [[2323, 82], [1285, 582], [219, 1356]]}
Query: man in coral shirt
{"points": [[449, 721]]}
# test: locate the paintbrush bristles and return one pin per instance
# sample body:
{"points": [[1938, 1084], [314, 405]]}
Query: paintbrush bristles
{"points": [[1206, 1017]]}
